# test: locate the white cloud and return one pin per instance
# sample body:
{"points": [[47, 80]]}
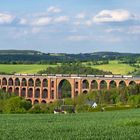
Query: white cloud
{"points": [[81, 15], [118, 15], [53, 9], [78, 38], [35, 30], [77, 23], [88, 23], [61, 19], [22, 21], [134, 30], [42, 21], [6, 18], [110, 30]]}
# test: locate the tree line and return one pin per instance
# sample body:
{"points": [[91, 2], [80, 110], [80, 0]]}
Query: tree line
{"points": [[113, 99]]}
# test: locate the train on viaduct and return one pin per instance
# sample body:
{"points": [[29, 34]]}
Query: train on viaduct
{"points": [[47, 88]]}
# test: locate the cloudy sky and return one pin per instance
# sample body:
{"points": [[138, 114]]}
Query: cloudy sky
{"points": [[70, 26]]}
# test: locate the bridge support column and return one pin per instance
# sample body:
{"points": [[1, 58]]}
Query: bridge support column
{"points": [[49, 88], [72, 88]]}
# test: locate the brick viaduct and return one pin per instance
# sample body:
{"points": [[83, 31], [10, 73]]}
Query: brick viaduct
{"points": [[45, 89]]}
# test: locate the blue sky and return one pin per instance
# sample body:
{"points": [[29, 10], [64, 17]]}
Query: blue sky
{"points": [[70, 26]]}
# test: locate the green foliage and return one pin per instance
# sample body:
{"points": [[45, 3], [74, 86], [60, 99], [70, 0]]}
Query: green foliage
{"points": [[13, 105], [134, 100], [72, 68]]}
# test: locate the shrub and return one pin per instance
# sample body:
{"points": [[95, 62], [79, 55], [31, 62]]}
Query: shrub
{"points": [[15, 105]]}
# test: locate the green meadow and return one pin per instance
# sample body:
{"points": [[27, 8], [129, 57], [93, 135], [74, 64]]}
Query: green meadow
{"points": [[23, 68], [115, 125], [115, 67]]}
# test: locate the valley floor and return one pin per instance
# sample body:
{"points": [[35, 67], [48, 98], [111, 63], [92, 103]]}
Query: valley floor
{"points": [[101, 125]]}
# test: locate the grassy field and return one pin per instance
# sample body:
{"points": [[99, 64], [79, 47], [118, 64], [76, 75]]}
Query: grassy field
{"points": [[19, 68], [115, 67], [122, 125]]}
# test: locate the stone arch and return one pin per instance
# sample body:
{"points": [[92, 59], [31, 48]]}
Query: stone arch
{"points": [[4, 89], [45, 83], [30, 93], [37, 93], [29, 100], [103, 84], [45, 93], [30, 82], [10, 89], [112, 84], [76, 93], [52, 84], [17, 82], [132, 83], [23, 92], [4, 81], [10, 82], [122, 84], [52, 94], [43, 102], [36, 101], [24, 82], [85, 91], [76, 85], [94, 84], [16, 91], [37, 82], [64, 89], [85, 84]]}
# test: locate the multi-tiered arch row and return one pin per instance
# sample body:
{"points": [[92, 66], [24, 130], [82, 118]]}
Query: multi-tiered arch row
{"points": [[44, 89]]}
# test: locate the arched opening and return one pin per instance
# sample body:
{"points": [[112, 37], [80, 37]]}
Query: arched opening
{"points": [[36, 101], [24, 82], [103, 84], [29, 100], [85, 91], [43, 102], [30, 82], [10, 82], [37, 93], [37, 82], [45, 93], [52, 84], [4, 89], [76, 93], [64, 89], [30, 93], [94, 84], [76, 85], [85, 84], [4, 81], [112, 84], [23, 92], [10, 90], [16, 91], [45, 83], [132, 83], [122, 84], [17, 82], [52, 94]]}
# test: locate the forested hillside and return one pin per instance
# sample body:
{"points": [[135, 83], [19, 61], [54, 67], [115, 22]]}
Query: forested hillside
{"points": [[31, 56]]}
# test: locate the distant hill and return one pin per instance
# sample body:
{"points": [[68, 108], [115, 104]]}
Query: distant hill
{"points": [[19, 52], [31, 56]]}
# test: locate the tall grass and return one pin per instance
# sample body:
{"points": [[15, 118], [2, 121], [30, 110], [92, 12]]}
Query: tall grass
{"points": [[102, 125]]}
